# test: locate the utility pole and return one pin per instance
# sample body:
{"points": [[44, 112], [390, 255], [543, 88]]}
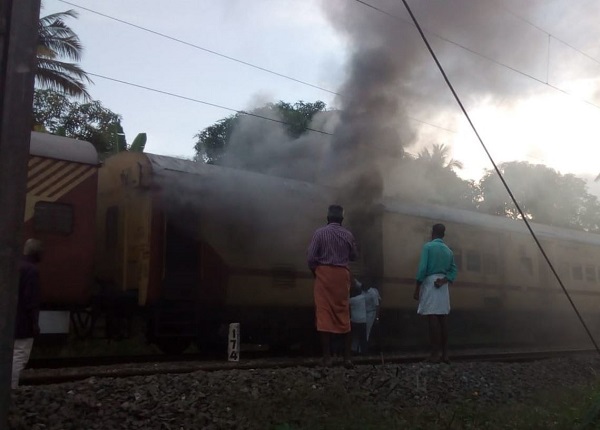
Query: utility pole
{"points": [[18, 41]]}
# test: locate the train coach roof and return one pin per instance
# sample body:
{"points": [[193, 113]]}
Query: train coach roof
{"points": [[442, 213], [62, 148], [174, 166]]}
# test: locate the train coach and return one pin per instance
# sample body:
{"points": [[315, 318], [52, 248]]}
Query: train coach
{"points": [[60, 210], [191, 247], [197, 246], [505, 292]]}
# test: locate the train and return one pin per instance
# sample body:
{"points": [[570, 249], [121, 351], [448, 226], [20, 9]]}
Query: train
{"points": [[190, 247]]}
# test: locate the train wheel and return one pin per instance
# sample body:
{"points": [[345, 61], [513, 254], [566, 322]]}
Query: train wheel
{"points": [[173, 345]]}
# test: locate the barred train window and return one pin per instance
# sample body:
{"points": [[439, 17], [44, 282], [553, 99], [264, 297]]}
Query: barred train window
{"points": [[458, 258], [590, 273], [563, 271], [473, 261], [51, 217], [490, 264], [527, 264]]}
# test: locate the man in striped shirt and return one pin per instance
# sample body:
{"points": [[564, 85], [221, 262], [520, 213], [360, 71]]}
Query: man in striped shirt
{"points": [[330, 251]]}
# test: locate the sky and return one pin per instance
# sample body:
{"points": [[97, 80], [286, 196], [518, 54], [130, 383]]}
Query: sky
{"points": [[519, 117]]}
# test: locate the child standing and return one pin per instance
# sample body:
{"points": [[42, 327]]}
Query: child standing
{"points": [[373, 301], [358, 319]]}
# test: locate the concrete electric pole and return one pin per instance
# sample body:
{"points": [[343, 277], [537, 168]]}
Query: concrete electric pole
{"points": [[18, 41]]}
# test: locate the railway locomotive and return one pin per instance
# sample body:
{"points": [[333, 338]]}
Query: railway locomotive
{"points": [[191, 247]]}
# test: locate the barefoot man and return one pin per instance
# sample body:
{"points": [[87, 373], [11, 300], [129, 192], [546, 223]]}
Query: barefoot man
{"points": [[436, 272], [330, 251]]}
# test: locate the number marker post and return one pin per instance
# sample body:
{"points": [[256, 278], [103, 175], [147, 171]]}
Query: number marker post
{"points": [[233, 344]]}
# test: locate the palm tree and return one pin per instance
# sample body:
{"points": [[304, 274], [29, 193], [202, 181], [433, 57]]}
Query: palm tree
{"points": [[440, 156], [57, 40]]}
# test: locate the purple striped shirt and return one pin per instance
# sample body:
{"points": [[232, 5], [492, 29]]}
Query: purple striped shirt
{"points": [[332, 245]]}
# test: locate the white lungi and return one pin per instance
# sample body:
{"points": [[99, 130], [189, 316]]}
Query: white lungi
{"points": [[432, 300], [21, 353]]}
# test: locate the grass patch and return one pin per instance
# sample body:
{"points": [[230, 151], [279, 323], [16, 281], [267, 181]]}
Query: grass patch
{"points": [[568, 409]]}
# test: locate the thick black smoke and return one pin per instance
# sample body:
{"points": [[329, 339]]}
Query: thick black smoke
{"points": [[392, 79]]}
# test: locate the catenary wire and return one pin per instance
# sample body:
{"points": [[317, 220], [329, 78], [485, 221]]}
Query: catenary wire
{"points": [[514, 200], [550, 35], [179, 96], [210, 51], [201, 48], [479, 54], [366, 4]]}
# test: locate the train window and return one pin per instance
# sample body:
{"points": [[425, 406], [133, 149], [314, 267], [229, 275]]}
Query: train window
{"points": [[490, 264], [112, 227], [527, 264], [590, 273], [577, 272], [458, 258], [563, 271], [473, 261], [51, 217]]}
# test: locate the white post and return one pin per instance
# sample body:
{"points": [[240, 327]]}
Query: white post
{"points": [[233, 346]]}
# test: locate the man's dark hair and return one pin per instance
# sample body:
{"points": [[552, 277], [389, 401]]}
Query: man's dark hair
{"points": [[438, 230], [335, 213]]}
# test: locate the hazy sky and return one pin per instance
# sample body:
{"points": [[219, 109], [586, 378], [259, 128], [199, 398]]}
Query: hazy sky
{"points": [[519, 117]]}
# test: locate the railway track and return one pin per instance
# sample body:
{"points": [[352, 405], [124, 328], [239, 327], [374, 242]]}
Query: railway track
{"points": [[75, 369]]}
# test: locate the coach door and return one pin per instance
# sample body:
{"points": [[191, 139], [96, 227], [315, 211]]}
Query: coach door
{"points": [[182, 261]]}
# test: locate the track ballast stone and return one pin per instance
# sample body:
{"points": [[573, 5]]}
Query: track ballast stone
{"points": [[284, 398]]}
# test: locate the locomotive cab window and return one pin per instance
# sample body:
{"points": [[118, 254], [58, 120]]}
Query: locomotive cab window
{"points": [[51, 217]]}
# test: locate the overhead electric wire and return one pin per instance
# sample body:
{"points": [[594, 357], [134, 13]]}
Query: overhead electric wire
{"points": [[514, 200], [228, 57], [192, 99], [201, 48], [366, 4], [519, 17], [479, 54]]}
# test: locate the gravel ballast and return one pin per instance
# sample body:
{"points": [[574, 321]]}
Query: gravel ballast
{"points": [[284, 398]]}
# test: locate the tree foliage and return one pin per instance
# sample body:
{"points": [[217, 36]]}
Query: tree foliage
{"points": [[212, 142], [54, 113], [439, 156], [57, 41], [545, 196], [139, 143], [433, 179]]}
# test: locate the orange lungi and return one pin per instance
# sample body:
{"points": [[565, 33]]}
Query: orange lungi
{"points": [[332, 286]]}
